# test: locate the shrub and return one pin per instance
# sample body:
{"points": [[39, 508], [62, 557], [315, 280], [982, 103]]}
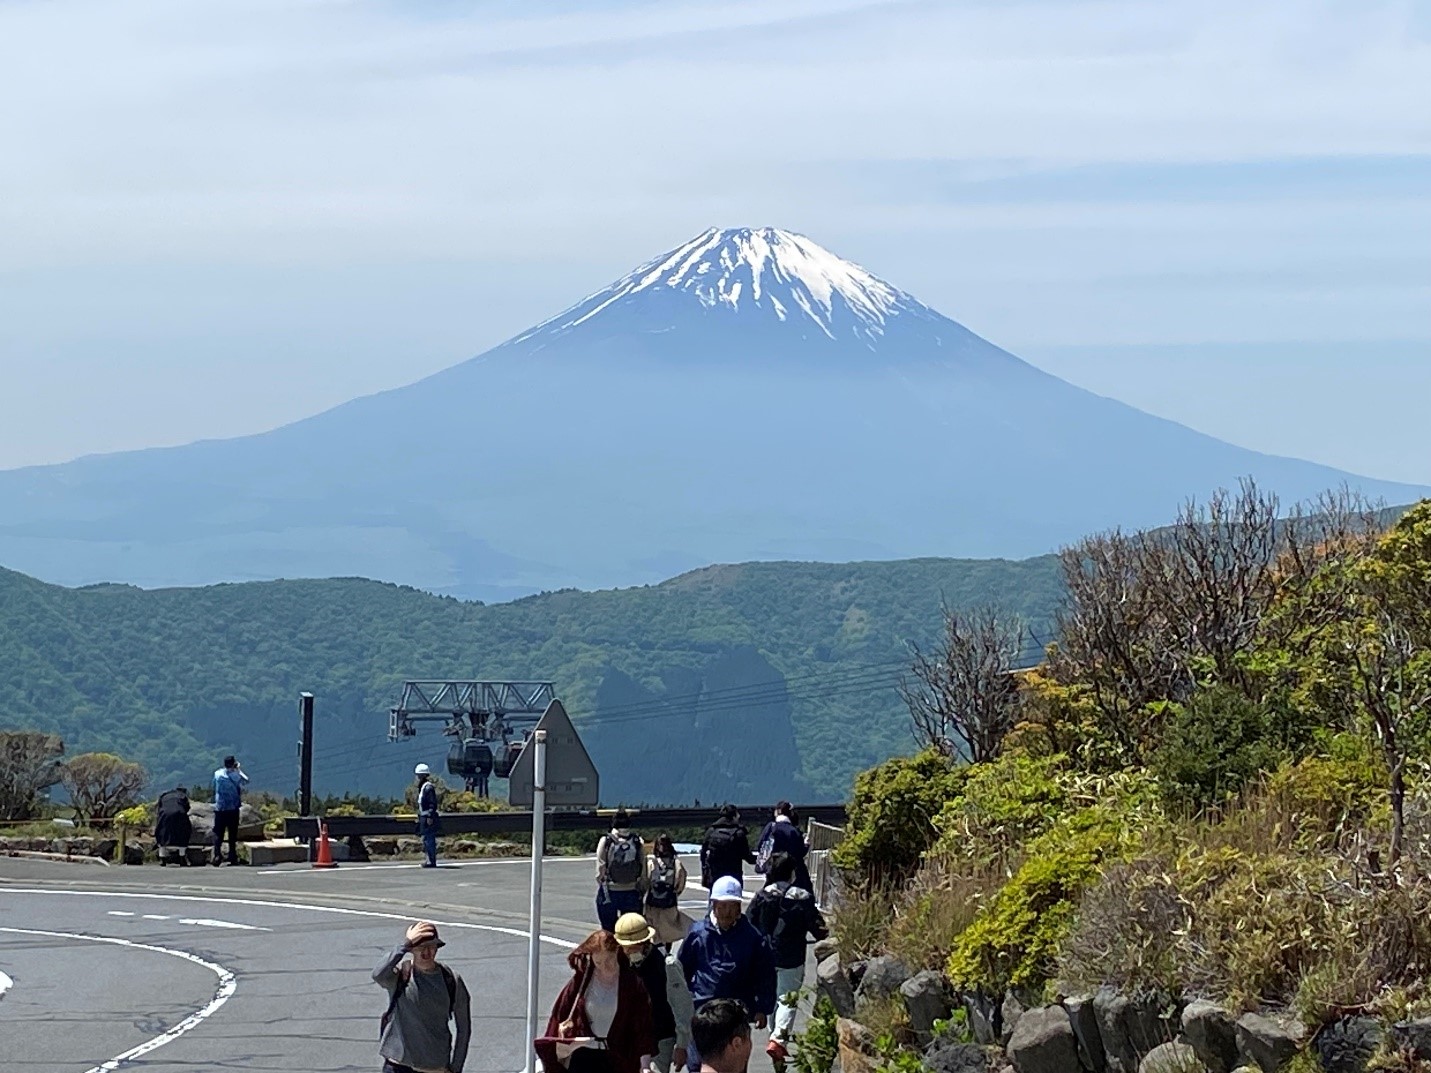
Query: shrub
{"points": [[1211, 747], [1014, 940], [815, 1049], [862, 919], [891, 817], [940, 902], [1127, 931], [141, 816], [1002, 806], [1331, 794]]}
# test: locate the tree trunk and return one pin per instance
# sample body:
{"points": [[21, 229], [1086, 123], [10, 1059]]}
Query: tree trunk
{"points": [[1398, 809]]}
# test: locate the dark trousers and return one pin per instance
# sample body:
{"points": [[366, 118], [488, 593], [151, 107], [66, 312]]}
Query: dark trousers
{"points": [[614, 904], [589, 1060], [226, 819]]}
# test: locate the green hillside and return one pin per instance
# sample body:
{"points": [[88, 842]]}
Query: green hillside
{"points": [[746, 681]]}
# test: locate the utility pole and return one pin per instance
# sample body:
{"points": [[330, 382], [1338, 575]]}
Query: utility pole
{"points": [[534, 919], [305, 754]]}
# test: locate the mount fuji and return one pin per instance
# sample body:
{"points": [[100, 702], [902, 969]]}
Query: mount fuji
{"points": [[748, 395]]}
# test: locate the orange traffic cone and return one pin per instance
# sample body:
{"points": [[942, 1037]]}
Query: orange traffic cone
{"points": [[325, 855]]}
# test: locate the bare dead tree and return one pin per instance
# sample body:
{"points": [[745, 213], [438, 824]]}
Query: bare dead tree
{"points": [[1150, 615], [101, 784], [963, 697]]}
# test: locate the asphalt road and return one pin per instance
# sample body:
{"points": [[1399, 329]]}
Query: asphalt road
{"points": [[265, 969]]}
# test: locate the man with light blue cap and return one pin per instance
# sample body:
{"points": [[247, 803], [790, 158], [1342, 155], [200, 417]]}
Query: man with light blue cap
{"points": [[724, 956]]}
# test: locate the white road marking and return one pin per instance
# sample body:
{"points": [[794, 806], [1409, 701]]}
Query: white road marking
{"points": [[5, 984], [204, 922], [152, 916], [119, 913], [399, 865], [228, 984], [266, 904]]}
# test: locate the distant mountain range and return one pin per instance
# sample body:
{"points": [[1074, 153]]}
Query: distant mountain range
{"points": [[755, 682], [747, 396]]}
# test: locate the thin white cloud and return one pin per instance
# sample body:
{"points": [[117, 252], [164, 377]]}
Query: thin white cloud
{"points": [[324, 130]]}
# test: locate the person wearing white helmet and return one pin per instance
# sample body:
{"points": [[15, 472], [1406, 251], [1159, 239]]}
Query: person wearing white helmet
{"points": [[724, 956], [428, 818]]}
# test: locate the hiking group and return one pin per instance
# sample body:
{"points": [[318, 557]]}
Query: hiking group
{"points": [[754, 956], [651, 990]]}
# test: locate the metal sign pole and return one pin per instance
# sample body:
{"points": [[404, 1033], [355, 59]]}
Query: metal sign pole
{"points": [[534, 923]]}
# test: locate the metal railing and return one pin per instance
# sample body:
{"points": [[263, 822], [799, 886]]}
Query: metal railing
{"points": [[822, 838]]}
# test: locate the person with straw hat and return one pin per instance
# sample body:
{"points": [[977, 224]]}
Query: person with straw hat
{"points": [[423, 997], [666, 986]]}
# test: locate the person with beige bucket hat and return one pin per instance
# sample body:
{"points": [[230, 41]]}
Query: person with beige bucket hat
{"points": [[423, 997], [666, 987]]}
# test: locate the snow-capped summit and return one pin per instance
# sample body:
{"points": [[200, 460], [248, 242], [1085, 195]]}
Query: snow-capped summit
{"points": [[781, 274]]}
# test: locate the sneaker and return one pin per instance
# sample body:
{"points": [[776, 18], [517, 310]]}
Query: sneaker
{"points": [[776, 1050]]}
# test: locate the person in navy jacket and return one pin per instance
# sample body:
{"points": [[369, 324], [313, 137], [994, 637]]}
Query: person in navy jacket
{"points": [[724, 956], [782, 836]]}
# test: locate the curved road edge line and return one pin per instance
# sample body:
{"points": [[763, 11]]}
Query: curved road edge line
{"points": [[260, 902], [228, 984]]}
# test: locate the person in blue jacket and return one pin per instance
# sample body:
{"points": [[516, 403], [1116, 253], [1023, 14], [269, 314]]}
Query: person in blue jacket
{"points": [[724, 956], [229, 782], [782, 836]]}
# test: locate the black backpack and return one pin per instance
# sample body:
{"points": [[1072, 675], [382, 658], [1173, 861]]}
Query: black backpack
{"points": [[773, 914], [722, 839], [662, 894], [404, 975], [623, 859]]}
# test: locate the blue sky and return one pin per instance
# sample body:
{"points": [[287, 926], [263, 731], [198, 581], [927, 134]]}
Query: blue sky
{"points": [[220, 217]]}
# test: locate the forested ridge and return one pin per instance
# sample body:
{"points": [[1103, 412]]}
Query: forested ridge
{"points": [[727, 682]]}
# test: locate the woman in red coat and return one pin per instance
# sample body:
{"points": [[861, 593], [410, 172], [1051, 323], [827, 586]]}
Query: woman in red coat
{"points": [[604, 1010]]}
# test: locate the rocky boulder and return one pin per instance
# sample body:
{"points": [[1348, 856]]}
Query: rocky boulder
{"points": [[201, 819], [832, 982], [382, 847], [1130, 1027], [1413, 1037], [882, 979], [1173, 1057], [1043, 1042], [824, 948], [926, 1000], [856, 1046], [1010, 1010], [1266, 1043], [1211, 1032], [950, 1056], [983, 1017], [1085, 1031], [1346, 1045]]}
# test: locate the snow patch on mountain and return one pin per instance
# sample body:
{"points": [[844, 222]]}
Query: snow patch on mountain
{"points": [[740, 269]]}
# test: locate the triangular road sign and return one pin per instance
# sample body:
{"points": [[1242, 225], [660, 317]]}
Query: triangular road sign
{"points": [[572, 779]]}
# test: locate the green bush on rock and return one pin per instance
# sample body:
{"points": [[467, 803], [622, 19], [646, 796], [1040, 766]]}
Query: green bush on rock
{"points": [[1014, 940], [891, 816]]}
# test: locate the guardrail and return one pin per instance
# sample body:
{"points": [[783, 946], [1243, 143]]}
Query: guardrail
{"points": [[648, 821]]}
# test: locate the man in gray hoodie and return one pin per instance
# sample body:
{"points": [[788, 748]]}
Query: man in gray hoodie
{"points": [[423, 996]]}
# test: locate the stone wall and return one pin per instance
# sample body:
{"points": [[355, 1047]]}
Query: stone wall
{"points": [[1102, 1031]]}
